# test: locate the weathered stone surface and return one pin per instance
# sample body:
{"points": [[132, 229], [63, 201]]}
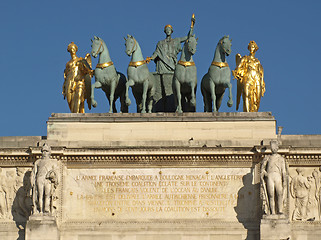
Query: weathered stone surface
{"points": [[274, 227], [17, 141], [42, 228], [159, 193], [161, 129], [88, 152]]}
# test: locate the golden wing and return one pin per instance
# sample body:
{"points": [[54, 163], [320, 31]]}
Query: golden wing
{"points": [[88, 59], [88, 80], [262, 80], [238, 58]]}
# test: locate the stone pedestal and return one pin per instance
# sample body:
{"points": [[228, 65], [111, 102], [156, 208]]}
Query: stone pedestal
{"points": [[42, 228], [160, 129], [275, 227]]}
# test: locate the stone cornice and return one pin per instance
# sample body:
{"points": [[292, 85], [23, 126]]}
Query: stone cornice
{"points": [[161, 117], [198, 156]]}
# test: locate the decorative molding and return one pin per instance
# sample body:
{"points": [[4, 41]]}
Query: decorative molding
{"points": [[161, 223]]}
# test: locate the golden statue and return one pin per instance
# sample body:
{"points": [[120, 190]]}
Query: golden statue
{"points": [[250, 79], [77, 85]]}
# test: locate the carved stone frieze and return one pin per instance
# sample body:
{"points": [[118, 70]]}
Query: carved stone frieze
{"points": [[305, 191], [15, 198]]}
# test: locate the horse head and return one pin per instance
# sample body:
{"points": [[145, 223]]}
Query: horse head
{"points": [[226, 45], [96, 46], [130, 44], [191, 43]]}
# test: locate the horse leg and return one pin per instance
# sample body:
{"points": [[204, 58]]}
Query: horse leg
{"points": [[97, 84], [150, 99], [114, 106], [188, 104], [205, 97], [230, 100], [178, 95], [139, 104], [193, 97], [219, 98], [112, 96], [129, 83], [138, 98], [213, 96], [123, 106], [144, 95]]}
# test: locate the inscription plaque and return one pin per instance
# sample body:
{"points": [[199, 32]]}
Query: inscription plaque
{"points": [[157, 193]]}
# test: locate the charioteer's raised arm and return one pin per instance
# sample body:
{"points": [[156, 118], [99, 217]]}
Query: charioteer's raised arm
{"points": [[161, 52], [190, 33]]}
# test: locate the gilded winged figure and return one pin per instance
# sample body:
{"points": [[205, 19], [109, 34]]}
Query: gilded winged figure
{"points": [[77, 85], [250, 80]]}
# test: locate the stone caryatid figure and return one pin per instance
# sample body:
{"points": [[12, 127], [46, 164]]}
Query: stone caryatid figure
{"points": [[299, 189], [77, 85], [274, 180], [44, 180], [250, 80]]}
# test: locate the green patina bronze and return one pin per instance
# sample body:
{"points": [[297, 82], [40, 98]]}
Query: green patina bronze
{"points": [[165, 58], [113, 83], [185, 78], [139, 77], [218, 78]]}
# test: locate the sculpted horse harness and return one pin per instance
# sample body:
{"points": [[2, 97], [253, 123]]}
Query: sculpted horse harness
{"points": [[218, 78], [185, 78], [112, 82], [139, 77]]}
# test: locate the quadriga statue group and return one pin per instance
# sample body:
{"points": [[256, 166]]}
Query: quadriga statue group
{"points": [[249, 73]]}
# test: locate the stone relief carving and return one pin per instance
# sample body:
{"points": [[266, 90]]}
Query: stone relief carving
{"points": [[15, 200], [299, 189], [3, 192], [274, 181], [312, 206], [21, 207], [317, 178], [10, 191], [305, 192], [44, 182]]}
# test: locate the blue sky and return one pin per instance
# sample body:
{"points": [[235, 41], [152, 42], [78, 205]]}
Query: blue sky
{"points": [[35, 35]]}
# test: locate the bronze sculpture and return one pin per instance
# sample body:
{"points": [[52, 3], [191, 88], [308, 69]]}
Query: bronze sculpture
{"points": [[139, 78], [218, 77], [185, 78], [77, 84], [165, 55], [113, 83], [250, 80], [165, 58]]}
